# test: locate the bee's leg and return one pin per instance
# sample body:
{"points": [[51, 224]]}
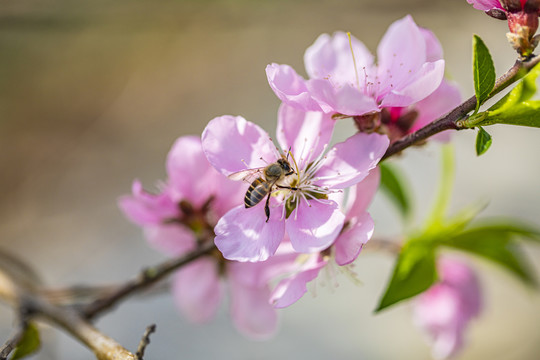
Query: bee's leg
{"points": [[267, 207], [286, 187]]}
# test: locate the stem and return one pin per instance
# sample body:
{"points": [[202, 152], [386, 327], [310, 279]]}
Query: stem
{"points": [[143, 280], [451, 120]]}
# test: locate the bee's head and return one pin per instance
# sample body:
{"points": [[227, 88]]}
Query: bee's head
{"points": [[285, 165]]}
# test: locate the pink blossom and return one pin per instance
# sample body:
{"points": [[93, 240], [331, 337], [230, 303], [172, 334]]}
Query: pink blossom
{"points": [[302, 207], [344, 77], [184, 213], [445, 309], [357, 231], [400, 121]]}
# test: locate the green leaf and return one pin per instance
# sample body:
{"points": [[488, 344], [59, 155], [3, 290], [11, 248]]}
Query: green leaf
{"points": [[392, 185], [483, 71], [483, 141], [414, 273], [498, 243], [28, 344], [515, 108]]}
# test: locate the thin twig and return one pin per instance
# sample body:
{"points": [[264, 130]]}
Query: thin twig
{"points": [[143, 280], [13, 340], [450, 120], [144, 341]]}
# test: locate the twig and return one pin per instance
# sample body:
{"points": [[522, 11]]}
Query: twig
{"points": [[450, 120], [145, 279], [13, 341], [144, 341]]}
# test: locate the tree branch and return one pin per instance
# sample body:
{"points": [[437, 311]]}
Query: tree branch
{"points": [[145, 279]]}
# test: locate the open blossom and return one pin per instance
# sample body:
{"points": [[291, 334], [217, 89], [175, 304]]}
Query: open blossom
{"points": [[344, 77], [301, 206], [355, 234], [446, 308], [400, 121], [181, 216]]}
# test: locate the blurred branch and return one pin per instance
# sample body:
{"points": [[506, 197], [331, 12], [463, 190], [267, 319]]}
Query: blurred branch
{"points": [[31, 305], [145, 341], [145, 279], [13, 341], [451, 120]]}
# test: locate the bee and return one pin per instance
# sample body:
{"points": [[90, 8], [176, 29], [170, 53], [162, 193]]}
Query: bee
{"points": [[267, 177]]}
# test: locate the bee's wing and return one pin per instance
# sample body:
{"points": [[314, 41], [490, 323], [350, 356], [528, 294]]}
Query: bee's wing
{"points": [[247, 175]]}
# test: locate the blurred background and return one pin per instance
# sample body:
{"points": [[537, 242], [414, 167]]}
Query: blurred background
{"points": [[93, 94]]}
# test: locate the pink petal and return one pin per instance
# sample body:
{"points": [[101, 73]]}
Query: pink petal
{"points": [[144, 208], [251, 310], [446, 308], [485, 5], [291, 289], [332, 58], [197, 290], [417, 87], [362, 194], [315, 225], [440, 102], [434, 49], [346, 99], [190, 174], [290, 88], [232, 144], [171, 239], [349, 243], [401, 52], [350, 161], [306, 133], [244, 235]]}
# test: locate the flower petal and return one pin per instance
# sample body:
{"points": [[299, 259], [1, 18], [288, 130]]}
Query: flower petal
{"points": [[361, 195], [314, 225], [434, 49], [190, 174], [244, 235], [346, 99], [232, 144], [441, 101], [144, 208], [250, 307], [197, 290], [291, 289], [417, 87], [485, 5], [401, 52], [290, 88], [350, 161], [331, 57], [350, 242], [306, 133], [171, 239]]}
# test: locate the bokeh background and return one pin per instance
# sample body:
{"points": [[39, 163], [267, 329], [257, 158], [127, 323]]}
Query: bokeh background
{"points": [[93, 94]]}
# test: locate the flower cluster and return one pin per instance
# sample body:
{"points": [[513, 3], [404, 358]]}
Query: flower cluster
{"points": [[181, 217], [287, 211]]}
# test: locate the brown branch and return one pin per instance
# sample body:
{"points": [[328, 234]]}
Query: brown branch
{"points": [[145, 341], [451, 120], [145, 279], [32, 306]]}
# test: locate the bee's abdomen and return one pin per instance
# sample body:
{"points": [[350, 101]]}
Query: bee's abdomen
{"points": [[256, 192]]}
